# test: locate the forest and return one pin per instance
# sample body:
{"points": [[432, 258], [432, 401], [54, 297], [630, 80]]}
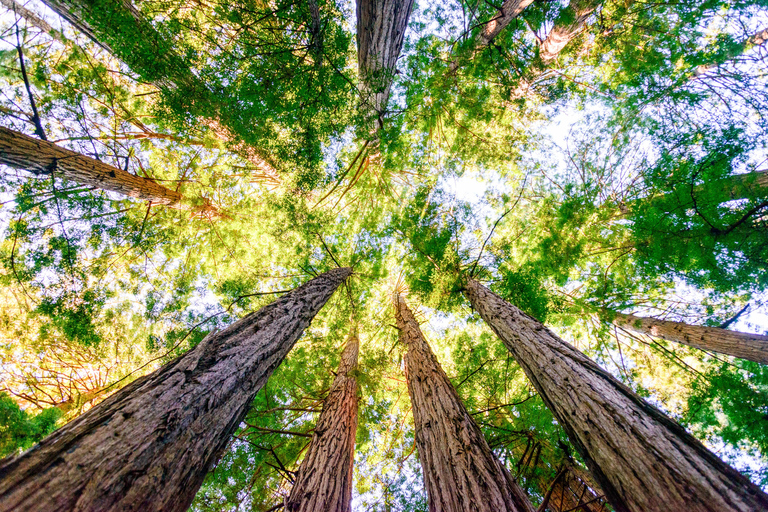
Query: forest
{"points": [[384, 255]]}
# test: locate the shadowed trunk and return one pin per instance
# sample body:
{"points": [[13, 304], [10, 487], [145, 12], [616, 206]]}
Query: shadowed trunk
{"points": [[640, 458], [44, 158], [570, 492], [460, 470], [753, 347], [324, 479], [381, 28], [568, 25], [149, 446]]}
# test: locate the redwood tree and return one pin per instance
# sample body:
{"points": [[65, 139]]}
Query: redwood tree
{"points": [[737, 344], [460, 470], [44, 158], [149, 446], [324, 479], [640, 458]]}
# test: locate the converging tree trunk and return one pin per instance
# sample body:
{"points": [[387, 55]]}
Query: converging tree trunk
{"points": [[40, 157], [510, 10], [149, 446], [460, 470], [324, 479], [381, 28], [753, 347], [640, 458]]}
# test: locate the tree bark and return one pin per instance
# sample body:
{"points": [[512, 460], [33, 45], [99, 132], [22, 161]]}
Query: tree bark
{"points": [[753, 347], [149, 446], [40, 157], [460, 470], [381, 28], [759, 38], [568, 25], [324, 479], [640, 458], [510, 10]]}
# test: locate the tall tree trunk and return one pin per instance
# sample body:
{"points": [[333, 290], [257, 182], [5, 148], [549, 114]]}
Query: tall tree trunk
{"points": [[119, 28], [759, 38], [736, 186], [149, 446], [460, 470], [569, 492], [381, 28], [737, 344], [324, 479], [510, 10], [44, 158], [640, 458], [568, 25]]}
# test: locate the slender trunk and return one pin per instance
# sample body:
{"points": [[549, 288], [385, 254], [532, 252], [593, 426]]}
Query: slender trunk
{"points": [[640, 458], [510, 10], [736, 186], [570, 493], [460, 470], [737, 344], [324, 479], [43, 158], [119, 28], [759, 38], [30, 16], [568, 25], [149, 446], [381, 28]]}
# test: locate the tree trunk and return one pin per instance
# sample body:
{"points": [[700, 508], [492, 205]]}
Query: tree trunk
{"points": [[569, 492], [119, 28], [149, 446], [759, 38], [568, 25], [44, 158], [324, 479], [381, 28], [737, 344], [510, 10], [640, 458], [460, 470]]}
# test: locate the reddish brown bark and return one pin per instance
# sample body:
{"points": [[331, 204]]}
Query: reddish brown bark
{"points": [[568, 25], [640, 458], [753, 347], [324, 480], [148, 446], [510, 10], [460, 470], [41, 157], [381, 28]]}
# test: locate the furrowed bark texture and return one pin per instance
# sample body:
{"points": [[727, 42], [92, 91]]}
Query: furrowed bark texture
{"points": [[461, 472], [641, 459], [44, 158], [510, 10], [570, 493], [149, 446], [381, 28], [324, 479], [737, 344]]}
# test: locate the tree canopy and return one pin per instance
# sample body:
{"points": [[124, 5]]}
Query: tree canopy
{"points": [[583, 159]]}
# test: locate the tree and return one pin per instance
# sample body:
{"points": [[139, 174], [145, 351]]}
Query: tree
{"points": [[324, 479], [381, 28], [737, 344], [640, 458], [43, 158], [460, 470], [149, 446]]}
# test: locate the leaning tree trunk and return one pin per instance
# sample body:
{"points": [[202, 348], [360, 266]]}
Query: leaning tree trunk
{"points": [[460, 470], [149, 446], [510, 10], [640, 458], [324, 479], [733, 343], [381, 28], [44, 158]]}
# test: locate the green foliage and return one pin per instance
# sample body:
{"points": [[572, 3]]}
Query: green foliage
{"points": [[19, 430]]}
